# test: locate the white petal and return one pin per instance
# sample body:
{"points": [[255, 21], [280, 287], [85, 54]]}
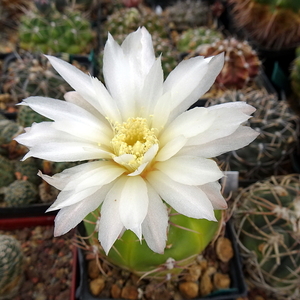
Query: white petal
{"points": [[190, 170], [171, 148], [187, 200], [191, 79], [238, 105], [242, 137], [119, 78], [213, 192], [43, 141], [155, 224], [152, 89], [69, 217], [110, 225], [59, 110], [78, 80], [134, 204]]}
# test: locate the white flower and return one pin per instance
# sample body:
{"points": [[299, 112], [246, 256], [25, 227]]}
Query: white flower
{"points": [[142, 144]]}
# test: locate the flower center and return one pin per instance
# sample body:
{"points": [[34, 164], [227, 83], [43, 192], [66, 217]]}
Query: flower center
{"points": [[133, 137]]}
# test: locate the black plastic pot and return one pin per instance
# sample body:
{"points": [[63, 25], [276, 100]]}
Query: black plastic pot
{"points": [[237, 288]]}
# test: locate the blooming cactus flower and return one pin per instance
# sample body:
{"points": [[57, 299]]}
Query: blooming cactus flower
{"points": [[144, 147]]}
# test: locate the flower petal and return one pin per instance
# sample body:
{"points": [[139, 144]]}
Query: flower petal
{"points": [[155, 225], [171, 148], [134, 204], [110, 225], [187, 200], [213, 192], [190, 170], [69, 217], [242, 137], [190, 80]]}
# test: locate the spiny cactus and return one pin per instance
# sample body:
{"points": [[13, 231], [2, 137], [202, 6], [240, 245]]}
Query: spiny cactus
{"points": [[190, 39], [129, 253], [270, 153], [274, 24], [241, 62], [127, 20], [19, 193], [11, 266], [190, 13], [6, 171], [8, 130], [29, 169], [66, 32], [267, 219], [31, 74]]}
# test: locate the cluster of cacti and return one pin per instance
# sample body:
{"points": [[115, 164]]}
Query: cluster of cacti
{"points": [[126, 20], [267, 219], [274, 24], [68, 32], [135, 256], [11, 266], [190, 13], [30, 75], [191, 38], [270, 153], [241, 64], [19, 193]]}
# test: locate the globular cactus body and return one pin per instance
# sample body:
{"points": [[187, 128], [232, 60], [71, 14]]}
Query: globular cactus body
{"points": [[187, 238], [190, 39], [11, 266], [6, 171], [267, 219], [241, 62], [20, 193]]}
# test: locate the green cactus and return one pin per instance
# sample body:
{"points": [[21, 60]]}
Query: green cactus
{"points": [[267, 218], [8, 130], [270, 153], [190, 39], [126, 20], [188, 14], [11, 266], [241, 64], [66, 32], [20, 193], [6, 171], [31, 74], [29, 169], [131, 254], [274, 24]]}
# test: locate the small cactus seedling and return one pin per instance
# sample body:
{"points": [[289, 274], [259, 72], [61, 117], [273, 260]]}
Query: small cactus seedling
{"points": [[270, 153], [267, 219], [20, 193], [11, 266], [274, 24], [190, 39], [241, 62]]}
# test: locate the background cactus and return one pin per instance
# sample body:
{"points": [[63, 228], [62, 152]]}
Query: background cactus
{"points": [[267, 218], [20, 193], [68, 32], [241, 62], [274, 24], [190, 39], [11, 266], [130, 254], [190, 13], [6, 171], [270, 153]]}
